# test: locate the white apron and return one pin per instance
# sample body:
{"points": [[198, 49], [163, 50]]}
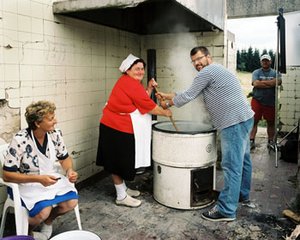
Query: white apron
{"points": [[34, 192], [142, 125]]}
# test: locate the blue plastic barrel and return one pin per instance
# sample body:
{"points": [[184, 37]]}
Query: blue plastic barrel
{"points": [[19, 237]]}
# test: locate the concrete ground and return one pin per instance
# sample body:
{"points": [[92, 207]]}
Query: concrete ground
{"points": [[273, 190]]}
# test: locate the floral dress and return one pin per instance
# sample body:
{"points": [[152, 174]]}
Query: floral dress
{"points": [[26, 156]]}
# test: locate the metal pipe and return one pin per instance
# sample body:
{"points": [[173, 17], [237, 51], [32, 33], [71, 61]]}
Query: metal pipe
{"points": [[151, 72]]}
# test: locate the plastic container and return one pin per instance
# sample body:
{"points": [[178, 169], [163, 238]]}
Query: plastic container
{"points": [[20, 237], [76, 235]]}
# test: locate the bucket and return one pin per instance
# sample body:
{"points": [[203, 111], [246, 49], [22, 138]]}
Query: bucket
{"points": [[76, 235], [19, 237]]}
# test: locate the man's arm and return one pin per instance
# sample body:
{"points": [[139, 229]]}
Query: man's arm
{"points": [[266, 83]]}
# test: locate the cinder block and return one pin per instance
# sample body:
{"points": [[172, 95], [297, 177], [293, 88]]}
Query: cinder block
{"points": [[11, 72], [37, 25], [14, 102], [11, 56], [10, 21], [36, 9], [10, 6], [24, 23], [25, 73]]}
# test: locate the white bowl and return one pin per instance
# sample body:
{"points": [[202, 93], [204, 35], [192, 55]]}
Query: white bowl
{"points": [[76, 235]]}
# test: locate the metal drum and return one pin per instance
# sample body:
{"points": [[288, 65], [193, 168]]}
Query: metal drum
{"points": [[184, 164]]}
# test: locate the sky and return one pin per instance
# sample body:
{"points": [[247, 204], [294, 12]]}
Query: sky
{"points": [[258, 32]]}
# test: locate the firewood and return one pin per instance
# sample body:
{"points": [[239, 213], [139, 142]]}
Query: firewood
{"points": [[290, 214], [294, 234]]}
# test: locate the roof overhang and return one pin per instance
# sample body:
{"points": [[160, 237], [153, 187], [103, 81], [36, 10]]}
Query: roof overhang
{"points": [[139, 16]]}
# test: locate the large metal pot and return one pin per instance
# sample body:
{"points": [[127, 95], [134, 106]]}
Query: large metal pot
{"points": [[194, 145], [184, 164]]}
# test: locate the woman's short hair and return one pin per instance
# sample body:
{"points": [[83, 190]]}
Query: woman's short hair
{"points": [[36, 112], [140, 60]]}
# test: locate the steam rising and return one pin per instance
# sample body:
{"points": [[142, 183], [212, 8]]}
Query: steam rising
{"points": [[183, 74]]}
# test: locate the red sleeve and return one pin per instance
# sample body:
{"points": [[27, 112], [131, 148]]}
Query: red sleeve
{"points": [[127, 95], [141, 99]]}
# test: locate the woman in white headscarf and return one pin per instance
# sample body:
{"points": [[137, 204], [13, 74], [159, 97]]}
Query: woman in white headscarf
{"points": [[125, 129]]}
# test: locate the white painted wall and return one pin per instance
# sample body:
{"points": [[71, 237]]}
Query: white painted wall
{"points": [[70, 62], [290, 95], [292, 33], [75, 64], [289, 98]]}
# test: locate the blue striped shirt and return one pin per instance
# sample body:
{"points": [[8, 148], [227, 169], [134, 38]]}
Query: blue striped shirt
{"points": [[222, 94]]}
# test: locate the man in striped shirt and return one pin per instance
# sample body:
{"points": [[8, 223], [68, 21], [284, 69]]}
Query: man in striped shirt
{"points": [[231, 114]]}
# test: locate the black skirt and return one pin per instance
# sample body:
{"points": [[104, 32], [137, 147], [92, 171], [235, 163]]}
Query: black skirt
{"points": [[116, 152]]}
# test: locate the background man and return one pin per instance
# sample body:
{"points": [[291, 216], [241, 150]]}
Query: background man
{"points": [[263, 100]]}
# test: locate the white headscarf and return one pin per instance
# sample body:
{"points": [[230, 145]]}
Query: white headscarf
{"points": [[127, 63]]}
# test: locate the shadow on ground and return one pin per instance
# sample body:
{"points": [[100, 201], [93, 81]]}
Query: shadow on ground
{"points": [[272, 192]]}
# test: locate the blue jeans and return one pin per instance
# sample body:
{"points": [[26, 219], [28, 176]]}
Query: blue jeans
{"points": [[236, 165]]}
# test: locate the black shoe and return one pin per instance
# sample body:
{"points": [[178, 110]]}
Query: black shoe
{"points": [[140, 171], [215, 216], [247, 203], [252, 144], [271, 145]]}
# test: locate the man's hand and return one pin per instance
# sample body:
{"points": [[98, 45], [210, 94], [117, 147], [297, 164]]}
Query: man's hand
{"points": [[164, 96], [163, 104]]}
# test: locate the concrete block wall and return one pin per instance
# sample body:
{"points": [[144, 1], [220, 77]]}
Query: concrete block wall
{"points": [[75, 64], [289, 98], [70, 62], [9, 122], [230, 51]]}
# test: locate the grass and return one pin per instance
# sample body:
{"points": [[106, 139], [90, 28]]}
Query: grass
{"points": [[245, 80]]}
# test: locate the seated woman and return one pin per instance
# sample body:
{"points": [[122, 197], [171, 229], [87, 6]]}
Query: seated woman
{"points": [[31, 162]]}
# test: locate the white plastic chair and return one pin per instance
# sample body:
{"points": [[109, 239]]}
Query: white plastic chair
{"points": [[21, 213]]}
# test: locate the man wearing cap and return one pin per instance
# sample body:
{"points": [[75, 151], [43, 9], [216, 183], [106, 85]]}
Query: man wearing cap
{"points": [[263, 100]]}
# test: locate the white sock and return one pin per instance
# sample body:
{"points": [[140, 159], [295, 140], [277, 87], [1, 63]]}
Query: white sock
{"points": [[47, 230], [121, 191]]}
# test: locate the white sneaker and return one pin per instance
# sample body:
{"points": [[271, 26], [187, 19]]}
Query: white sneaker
{"points": [[133, 193], [129, 202], [47, 230], [39, 236]]}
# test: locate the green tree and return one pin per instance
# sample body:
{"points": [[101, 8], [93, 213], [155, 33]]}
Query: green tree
{"points": [[249, 60], [249, 64], [241, 60], [256, 60], [272, 55], [240, 65]]}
